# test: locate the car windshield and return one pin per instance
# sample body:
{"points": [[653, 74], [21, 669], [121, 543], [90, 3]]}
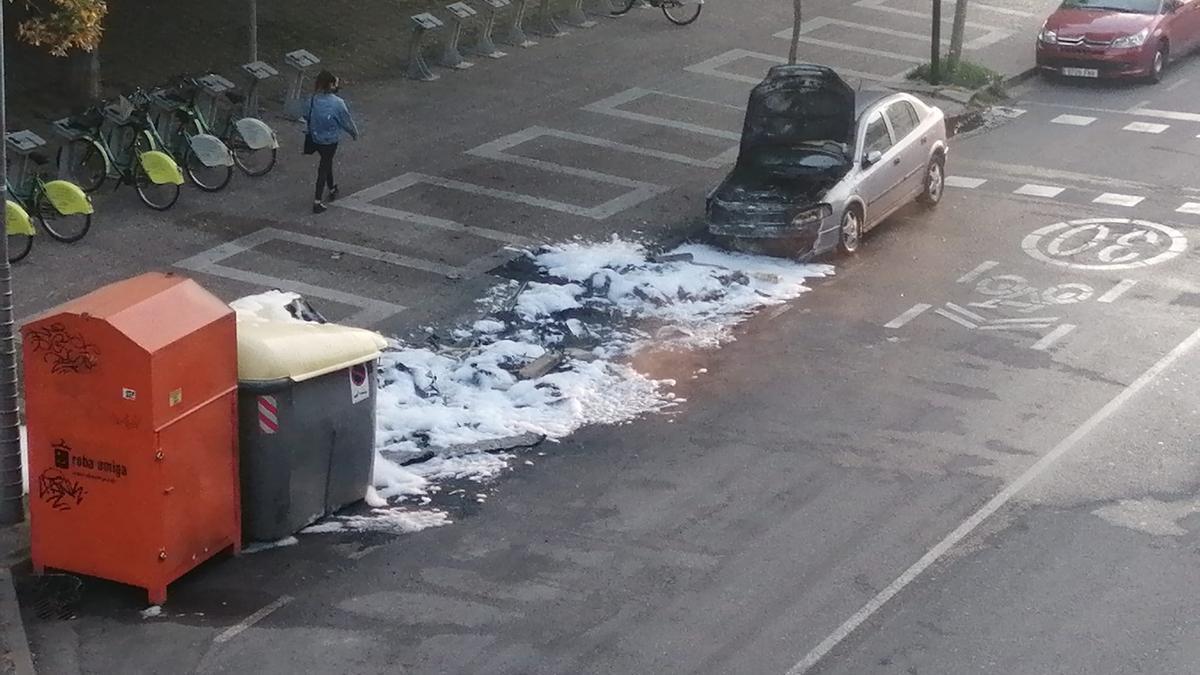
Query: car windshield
{"points": [[1131, 6]]}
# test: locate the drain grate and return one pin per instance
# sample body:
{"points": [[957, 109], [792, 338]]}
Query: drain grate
{"points": [[53, 596]]}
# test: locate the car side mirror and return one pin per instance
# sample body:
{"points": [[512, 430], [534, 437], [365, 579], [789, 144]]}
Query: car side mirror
{"points": [[872, 158], [1173, 6]]}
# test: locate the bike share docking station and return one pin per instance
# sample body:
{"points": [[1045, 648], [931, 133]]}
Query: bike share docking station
{"points": [[460, 13], [25, 144], [301, 62], [485, 45], [546, 25], [423, 25], [258, 72]]}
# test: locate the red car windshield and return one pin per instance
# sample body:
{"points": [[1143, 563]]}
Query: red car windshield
{"points": [[1131, 6]]}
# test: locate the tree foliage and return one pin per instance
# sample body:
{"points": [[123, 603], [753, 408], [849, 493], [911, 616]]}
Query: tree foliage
{"points": [[64, 25]]}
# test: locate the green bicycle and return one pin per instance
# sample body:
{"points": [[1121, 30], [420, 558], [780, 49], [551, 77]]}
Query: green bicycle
{"points": [[91, 156], [62, 208], [205, 159], [253, 142]]}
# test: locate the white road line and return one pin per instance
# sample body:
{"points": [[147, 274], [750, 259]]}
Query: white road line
{"points": [[992, 506], [1117, 291], [1182, 81], [1146, 127], [844, 46], [1165, 114], [235, 630], [1032, 190], [1114, 199], [955, 318], [977, 272], [965, 312], [964, 182], [1190, 207], [611, 106], [1073, 120], [429, 221], [915, 311], [712, 67], [1054, 336]]}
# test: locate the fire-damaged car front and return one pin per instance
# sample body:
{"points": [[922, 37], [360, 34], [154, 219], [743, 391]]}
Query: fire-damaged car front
{"points": [[797, 145]]}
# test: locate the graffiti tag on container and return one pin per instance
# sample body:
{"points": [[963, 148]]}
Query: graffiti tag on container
{"points": [[59, 491], [66, 352]]}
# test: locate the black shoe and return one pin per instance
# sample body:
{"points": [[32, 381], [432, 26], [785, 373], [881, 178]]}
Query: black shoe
{"points": [[333, 193], [318, 207]]}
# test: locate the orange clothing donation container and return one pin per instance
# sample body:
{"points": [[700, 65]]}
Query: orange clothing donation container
{"points": [[131, 407]]}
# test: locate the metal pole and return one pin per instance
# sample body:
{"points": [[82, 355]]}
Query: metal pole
{"points": [[253, 31], [935, 47], [11, 509]]}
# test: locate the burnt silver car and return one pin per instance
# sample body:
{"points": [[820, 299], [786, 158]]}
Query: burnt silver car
{"points": [[821, 164]]}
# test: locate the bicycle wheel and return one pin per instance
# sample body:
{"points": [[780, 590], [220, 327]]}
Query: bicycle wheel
{"points": [[88, 168], [207, 178], [628, 6], [157, 197], [252, 162], [65, 228], [682, 12], [19, 246]]}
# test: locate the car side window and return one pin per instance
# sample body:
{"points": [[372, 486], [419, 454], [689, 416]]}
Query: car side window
{"points": [[903, 118], [878, 138]]}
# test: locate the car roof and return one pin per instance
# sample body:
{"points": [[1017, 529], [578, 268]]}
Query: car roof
{"points": [[868, 97]]}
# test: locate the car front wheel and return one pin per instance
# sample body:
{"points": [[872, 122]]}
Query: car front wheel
{"points": [[935, 182], [1159, 65], [850, 236]]}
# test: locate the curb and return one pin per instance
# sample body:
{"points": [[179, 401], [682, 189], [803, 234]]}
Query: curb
{"points": [[15, 656], [1021, 77], [973, 114]]}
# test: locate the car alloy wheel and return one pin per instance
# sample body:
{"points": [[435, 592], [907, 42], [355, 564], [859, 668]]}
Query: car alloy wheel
{"points": [[1160, 64], [935, 183], [851, 234]]}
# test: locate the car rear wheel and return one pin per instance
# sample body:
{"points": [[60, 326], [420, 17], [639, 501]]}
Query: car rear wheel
{"points": [[850, 234], [935, 182], [1159, 65]]}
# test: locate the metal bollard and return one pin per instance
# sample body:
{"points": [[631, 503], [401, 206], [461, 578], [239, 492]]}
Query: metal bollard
{"points": [[423, 24], [259, 71], [300, 61], [451, 58], [546, 25], [516, 35], [576, 17], [491, 11]]}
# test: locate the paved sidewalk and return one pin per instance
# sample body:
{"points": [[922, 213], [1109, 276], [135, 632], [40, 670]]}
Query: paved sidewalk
{"points": [[15, 658]]}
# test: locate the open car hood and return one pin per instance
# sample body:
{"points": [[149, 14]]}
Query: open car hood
{"points": [[798, 107]]}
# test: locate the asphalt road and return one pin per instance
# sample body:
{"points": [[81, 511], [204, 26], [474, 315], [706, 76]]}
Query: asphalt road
{"points": [[970, 451]]}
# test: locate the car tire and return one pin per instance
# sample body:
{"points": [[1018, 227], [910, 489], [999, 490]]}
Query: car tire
{"points": [[850, 231], [1159, 65], [935, 182]]}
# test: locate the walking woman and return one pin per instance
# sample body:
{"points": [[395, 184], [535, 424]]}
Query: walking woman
{"points": [[327, 118]]}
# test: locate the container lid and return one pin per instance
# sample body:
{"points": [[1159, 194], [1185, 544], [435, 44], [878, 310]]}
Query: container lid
{"points": [[273, 346]]}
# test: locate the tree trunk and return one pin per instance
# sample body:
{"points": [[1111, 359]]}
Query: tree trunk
{"points": [[85, 76], [956, 33], [792, 52], [253, 31]]}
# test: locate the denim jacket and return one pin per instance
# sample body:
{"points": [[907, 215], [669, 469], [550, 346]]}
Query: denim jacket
{"points": [[327, 117]]}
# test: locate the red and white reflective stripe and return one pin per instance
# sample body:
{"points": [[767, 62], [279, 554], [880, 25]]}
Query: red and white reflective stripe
{"points": [[268, 414]]}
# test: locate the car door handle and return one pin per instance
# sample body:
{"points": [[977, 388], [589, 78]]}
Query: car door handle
{"points": [[924, 140], [896, 162]]}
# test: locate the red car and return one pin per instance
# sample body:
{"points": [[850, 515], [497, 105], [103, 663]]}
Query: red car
{"points": [[1117, 38]]}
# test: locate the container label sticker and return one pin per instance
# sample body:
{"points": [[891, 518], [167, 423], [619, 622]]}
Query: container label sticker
{"points": [[129, 394], [175, 397], [360, 383], [268, 414]]}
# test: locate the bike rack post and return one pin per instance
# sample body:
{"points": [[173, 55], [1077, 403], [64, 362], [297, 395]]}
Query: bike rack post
{"points": [[491, 11], [259, 71], [23, 143], [214, 85], [546, 25], [451, 58], [300, 61], [576, 17], [423, 25], [516, 35], [69, 134]]}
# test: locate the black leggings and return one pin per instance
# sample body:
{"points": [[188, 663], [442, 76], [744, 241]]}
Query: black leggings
{"points": [[324, 169]]}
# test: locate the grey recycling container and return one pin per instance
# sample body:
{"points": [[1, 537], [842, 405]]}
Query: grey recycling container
{"points": [[306, 421]]}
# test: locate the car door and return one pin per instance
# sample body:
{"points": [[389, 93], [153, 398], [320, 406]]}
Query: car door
{"points": [[911, 150], [879, 180]]}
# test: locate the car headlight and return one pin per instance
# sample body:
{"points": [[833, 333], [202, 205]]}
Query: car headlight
{"points": [[1048, 36], [811, 215], [1136, 40]]}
